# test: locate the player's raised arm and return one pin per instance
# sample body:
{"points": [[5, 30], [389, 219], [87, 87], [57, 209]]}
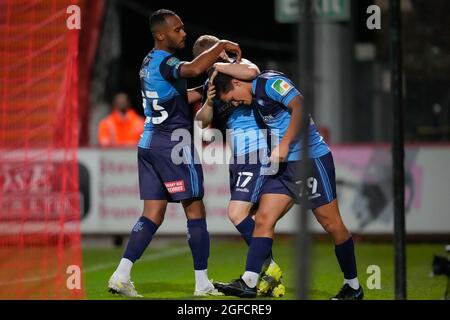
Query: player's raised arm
{"points": [[205, 114], [281, 151], [205, 60], [195, 95], [294, 128], [245, 70], [282, 90]]}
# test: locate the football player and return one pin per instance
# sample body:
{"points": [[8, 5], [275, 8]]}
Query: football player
{"points": [[161, 180], [279, 105]]}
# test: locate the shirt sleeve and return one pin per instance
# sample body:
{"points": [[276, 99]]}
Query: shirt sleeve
{"points": [[170, 68], [281, 89]]}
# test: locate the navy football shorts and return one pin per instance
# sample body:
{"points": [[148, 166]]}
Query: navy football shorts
{"points": [[247, 176], [320, 186], [161, 179], [246, 182]]}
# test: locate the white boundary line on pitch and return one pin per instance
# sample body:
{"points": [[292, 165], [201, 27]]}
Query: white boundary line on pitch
{"points": [[151, 257]]}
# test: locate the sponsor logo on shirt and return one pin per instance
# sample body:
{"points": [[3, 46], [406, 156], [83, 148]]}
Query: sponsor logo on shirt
{"points": [[268, 118]]}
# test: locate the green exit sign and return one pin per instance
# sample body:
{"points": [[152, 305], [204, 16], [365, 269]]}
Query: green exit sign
{"points": [[291, 11]]}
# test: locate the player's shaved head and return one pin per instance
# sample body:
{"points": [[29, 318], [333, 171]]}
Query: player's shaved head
{"points": [[158, 18], [204, 43], [167, 30]]}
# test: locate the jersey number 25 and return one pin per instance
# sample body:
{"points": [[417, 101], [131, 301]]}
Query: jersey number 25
{"points": [[154, 96]]}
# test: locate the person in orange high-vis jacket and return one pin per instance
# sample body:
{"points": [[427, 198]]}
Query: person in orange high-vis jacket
{"points": [[123, 127]]}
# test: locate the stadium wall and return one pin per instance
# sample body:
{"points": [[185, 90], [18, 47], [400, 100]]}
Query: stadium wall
{"points": [[111, 205]]}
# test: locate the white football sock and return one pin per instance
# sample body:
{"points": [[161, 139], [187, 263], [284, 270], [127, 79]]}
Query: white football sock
{"points": [[353, 283], [201, 280], [124, 269], [250, 278]]}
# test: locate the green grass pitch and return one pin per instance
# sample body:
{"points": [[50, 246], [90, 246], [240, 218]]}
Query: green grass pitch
{"points": [[165, 270]]}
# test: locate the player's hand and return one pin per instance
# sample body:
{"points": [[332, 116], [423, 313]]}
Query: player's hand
{"points": [[280, 153], [234, 48], [218, 67], [211, 88], [213, 76], [210, 94]]}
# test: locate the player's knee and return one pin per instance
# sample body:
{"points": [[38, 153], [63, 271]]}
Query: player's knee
{"points": [[194, 209], [264, 220], [238, 211], [156, 217], [236, 216], [192, 215], [329, 227], [334, 226]]}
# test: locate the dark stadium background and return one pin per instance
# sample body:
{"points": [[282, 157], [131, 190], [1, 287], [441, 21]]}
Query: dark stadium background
{"points": [[273, 45], [252, 24], [233, 21]]}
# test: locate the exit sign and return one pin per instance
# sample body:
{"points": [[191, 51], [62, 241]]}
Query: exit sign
{"points": [[291, 11]]}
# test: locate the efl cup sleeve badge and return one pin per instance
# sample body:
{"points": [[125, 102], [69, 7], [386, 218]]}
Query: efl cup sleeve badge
{"points": [[175, 186], [172, 61], [282, 87]]}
